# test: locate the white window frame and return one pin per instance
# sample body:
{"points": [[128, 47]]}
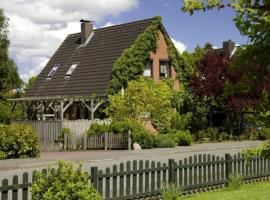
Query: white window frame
{"points": [[165, 66], [52, 72], [71, 70], [148, 69]]}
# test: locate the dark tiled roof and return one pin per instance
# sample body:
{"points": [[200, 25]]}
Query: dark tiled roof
{"points": [[95, 61]]}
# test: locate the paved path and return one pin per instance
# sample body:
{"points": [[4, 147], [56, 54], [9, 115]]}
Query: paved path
{"points": [[104, 159]]}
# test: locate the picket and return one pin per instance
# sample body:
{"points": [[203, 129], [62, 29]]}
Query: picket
{"points": [[138, 179]]}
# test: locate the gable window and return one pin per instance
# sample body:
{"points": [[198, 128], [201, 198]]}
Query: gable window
{"points": [[71, 69], [164, 69], [52, 72], [148, 69]]}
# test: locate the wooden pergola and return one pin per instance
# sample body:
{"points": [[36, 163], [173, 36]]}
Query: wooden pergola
{"points": [[58, 105]]}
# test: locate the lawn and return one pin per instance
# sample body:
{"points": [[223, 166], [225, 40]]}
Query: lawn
{"points": [[254, 191]]}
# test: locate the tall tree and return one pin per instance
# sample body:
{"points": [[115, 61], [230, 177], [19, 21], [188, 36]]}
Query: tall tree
{"points": [[9, 77]]}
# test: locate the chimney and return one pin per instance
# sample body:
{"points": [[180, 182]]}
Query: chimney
{"points": [[86, 30], [228, 47]]}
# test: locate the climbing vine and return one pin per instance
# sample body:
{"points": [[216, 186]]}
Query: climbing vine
{"points": [[131, 64]]}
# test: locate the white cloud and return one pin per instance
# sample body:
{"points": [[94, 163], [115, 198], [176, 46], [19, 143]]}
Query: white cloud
{"points": [[179, 45], [64, 11], [37, 28], [108, 24]]}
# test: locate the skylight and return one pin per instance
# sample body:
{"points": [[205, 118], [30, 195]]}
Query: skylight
{"points": [[71, 69], [52, 72]]}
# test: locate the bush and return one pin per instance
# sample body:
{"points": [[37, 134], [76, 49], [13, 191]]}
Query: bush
{"points": [[143, 138], [182, 138], [266, 133], [209, 133], [261, 150], [164, 141], [235, 182], [172, 192], [98, 129], [63, 183], [223, 136], [64, 131], [18, 141]]}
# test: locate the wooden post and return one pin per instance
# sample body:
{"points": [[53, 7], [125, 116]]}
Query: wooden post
{"points": [[228, 167], [129, 140], [92, 110], [94, 177], [61, 122], [106, 141], [172, 175]]}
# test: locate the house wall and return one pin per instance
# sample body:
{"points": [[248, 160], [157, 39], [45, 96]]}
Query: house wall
{"points": [[162, 54]]}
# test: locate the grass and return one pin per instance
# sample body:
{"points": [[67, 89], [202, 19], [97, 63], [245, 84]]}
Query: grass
{"points": [[254, 191]]}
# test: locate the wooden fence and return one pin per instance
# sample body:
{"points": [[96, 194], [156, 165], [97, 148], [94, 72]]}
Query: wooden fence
{"points": [[139, 179], [49, 131]]}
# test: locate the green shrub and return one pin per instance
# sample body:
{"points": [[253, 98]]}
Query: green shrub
{"points": [[64, 131], [223, 136], [65, 182], [138, 133], [209, 133], [2, 155], [182, 138], [172, 192], [266, 133], [125, 125], [143, 138], [164, 141], [18, 141], [235, 182], [261, 150], [98, 129]]}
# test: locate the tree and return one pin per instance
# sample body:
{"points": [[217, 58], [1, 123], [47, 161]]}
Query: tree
{"points": [[210, 79], [31, 81], [9, 77], [251, 64], [142, 96]]}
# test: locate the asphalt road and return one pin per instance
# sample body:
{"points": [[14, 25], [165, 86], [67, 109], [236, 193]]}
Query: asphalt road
{"points": [[103, 159]]}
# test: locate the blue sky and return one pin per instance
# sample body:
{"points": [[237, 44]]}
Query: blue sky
{"points": [[213, 26], [38, 27]]}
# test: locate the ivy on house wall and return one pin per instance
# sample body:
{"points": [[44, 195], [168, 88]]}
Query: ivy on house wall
{"points": [[131, 64]]}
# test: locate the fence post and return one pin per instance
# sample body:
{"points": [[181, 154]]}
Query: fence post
{"points": [[228, 167], [129, 140], [172, 174], [94, 177], [84, 141], [106, 141]]}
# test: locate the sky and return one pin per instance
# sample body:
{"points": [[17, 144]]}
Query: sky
{"points": [[38, 27]]}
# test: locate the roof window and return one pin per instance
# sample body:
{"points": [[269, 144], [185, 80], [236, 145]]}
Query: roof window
{"points": [[71, 69], [52, 72]]}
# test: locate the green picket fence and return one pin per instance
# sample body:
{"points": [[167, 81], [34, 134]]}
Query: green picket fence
{"points": [[139, 179]]}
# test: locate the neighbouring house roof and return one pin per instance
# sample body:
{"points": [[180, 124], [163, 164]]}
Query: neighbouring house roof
{"points": [[94, 62]]}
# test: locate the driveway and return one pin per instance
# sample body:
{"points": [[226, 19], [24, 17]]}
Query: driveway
{"points": [[104, 159]]}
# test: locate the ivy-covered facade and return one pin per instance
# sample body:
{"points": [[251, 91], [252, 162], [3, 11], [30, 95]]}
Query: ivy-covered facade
{"points": [[155, 46]]}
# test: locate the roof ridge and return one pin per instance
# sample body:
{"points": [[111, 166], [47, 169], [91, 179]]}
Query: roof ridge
{"points": [[147, 19]]}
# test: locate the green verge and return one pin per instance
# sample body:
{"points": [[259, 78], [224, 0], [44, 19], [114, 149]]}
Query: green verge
{"points": [[254, 191], [131, 64]]}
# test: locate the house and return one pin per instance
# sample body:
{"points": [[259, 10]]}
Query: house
{"points": [[74, 83]]}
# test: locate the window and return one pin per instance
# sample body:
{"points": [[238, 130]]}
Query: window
{"points": [[164, 69], [148, 69], [71, 69], [52, 72]]}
